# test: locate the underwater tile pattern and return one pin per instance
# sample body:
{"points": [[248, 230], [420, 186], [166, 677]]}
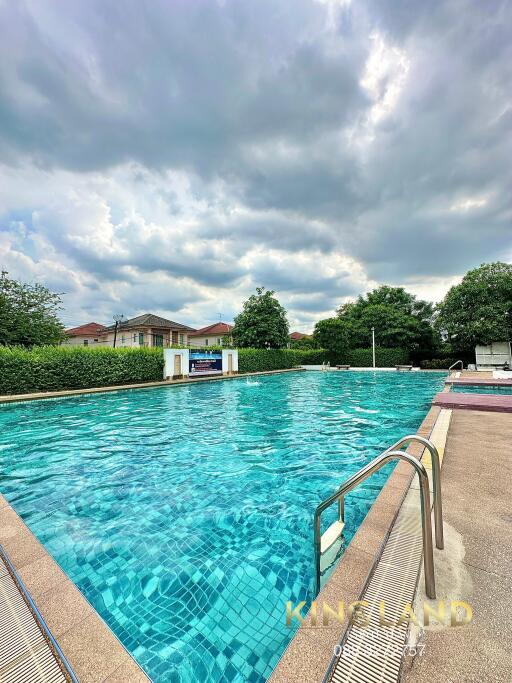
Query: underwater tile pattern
{"points": [[184, 514]]}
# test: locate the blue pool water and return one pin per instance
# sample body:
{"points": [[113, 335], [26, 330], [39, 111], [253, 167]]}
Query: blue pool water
{"points": [[184, 514], [482, 389]]}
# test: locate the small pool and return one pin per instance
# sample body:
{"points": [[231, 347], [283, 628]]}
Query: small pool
{"points": [[184, 514], [482, 389]]}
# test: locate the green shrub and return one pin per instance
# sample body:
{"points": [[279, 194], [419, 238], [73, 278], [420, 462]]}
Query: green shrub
{"points": [[437, 363], [52, 368], [259, 360], [444, 354], [384, 358], [254, 360]]}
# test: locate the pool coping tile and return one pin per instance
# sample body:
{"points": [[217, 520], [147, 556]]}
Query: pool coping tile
{"points": [[88, 643]]}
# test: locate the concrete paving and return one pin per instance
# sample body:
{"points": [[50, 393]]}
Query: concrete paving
{"points": [[476, 564]]}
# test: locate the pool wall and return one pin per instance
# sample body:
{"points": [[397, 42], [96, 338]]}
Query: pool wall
{"points": [[310, 652]]}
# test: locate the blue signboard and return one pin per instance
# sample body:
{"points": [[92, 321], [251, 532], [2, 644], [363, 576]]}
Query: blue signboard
{"points": [[205, 363]]}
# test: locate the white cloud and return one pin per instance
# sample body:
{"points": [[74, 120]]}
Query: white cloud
{"points": [[203, 149], [468, 203]]}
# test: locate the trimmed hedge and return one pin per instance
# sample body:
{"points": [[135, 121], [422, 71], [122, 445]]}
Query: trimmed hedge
{"points": [[437, 363], [51, 368], [384, 358], [254, 360], [258, 360]]}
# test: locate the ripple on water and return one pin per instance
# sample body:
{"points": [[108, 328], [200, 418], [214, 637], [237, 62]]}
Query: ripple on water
{"points": [[185, 514]]}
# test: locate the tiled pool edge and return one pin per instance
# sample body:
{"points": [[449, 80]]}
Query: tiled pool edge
{"points": [[11, 398], [90, 646], [309, 654]]}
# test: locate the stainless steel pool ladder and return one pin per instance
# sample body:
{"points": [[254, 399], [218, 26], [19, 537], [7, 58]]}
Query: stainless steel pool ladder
{"points": [[452, 366], [322, 542]]}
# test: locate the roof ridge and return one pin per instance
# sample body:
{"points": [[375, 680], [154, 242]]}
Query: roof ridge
{"points": [[203, 330], [152, 319]]}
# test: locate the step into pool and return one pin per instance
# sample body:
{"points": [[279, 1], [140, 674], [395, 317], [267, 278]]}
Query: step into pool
{"points": [[184, 514]]}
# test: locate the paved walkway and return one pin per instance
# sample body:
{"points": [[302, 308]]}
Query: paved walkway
{"points": [[474, 374], [476, 566]]}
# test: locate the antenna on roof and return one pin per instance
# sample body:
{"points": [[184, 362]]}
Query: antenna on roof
{"points": [[220, 317]]}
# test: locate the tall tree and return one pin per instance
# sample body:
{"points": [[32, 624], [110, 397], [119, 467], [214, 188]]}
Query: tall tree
{"points": [[479, 309], [28, 314], [262, 322], [399, 319]]}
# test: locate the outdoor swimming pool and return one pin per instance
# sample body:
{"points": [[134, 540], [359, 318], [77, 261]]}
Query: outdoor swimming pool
{"points": [[184, 514]]}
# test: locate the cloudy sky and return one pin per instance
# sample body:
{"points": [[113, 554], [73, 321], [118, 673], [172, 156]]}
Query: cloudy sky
{"points": [[171, 155]]}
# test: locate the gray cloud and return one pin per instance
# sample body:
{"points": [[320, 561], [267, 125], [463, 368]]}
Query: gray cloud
{"points": [[314, 147]]}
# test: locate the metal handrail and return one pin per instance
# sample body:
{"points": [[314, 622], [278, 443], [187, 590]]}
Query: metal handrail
{"points": [[358, 478], [436, 480], [456, 363]]}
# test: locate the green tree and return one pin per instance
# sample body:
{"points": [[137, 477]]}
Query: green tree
{"points": [[262, 322], [479, 309], [304, 343], [399, 319], [332, 334], [28, 314], [392, 327], [400, 300]]}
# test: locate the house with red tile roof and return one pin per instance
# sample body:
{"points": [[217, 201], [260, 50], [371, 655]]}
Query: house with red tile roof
{"points": [[143, 330], [211, 335], [84, 335], [295, 336], [147, 330]]}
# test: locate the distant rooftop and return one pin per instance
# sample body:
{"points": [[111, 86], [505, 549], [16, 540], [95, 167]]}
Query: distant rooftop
{"points": [[151, 320], [215, 328], [89, 329], [298, 335]]}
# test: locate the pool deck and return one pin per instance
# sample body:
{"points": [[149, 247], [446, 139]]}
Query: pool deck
{"points": [[477, 480]]}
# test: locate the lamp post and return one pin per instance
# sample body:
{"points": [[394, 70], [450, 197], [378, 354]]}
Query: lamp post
{"points": [[373, 345]]}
